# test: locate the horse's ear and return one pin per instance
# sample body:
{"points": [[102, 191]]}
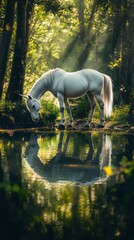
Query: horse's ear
{"points": [[30, 97], [24, 96]]}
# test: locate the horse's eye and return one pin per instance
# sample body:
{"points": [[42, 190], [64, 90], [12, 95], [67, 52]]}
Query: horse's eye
{"points": [[33, 106]]}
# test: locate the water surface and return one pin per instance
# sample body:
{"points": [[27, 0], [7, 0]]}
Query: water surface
{"points": [[63, 171]]}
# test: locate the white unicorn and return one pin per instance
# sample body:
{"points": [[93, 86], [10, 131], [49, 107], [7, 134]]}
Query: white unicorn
{"points": [[67, 85]]}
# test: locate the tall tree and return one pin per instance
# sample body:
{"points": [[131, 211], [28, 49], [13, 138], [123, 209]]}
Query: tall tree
{"points": [[81, 16], [24, 13], [0, 3], [131, 59], [119, 48], [86, 35], [126, 50], [5, 40]]}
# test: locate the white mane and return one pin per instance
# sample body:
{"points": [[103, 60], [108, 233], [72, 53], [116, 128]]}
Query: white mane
{"points": [[40, 86]]}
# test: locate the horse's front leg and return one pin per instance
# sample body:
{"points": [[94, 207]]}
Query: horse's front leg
{"points": [[66, 142], [59, 152], [61, 106], [69, 113]]}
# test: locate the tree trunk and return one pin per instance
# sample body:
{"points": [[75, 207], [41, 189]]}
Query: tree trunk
{"points": [[88, 37], [80, 4], [5, 41], [19, 62], [18, 68], [29, 12], [131, 60], [127, 71]]}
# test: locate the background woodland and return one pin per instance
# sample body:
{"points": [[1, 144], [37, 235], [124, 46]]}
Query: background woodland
{"points": [[38, 35]]}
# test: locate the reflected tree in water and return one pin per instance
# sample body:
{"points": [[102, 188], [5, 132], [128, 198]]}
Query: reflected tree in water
{"points": [[11, 162]]}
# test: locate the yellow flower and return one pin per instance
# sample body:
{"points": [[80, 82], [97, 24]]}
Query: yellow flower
{"points": [[108, 170]]}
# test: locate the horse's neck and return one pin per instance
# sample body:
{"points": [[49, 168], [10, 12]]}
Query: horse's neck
{"points": [[41, 85]]}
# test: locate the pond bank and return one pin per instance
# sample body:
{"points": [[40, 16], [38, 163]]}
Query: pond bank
{"points": [[78, 126]]}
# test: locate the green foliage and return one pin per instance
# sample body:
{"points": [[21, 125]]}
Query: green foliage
{"points": [[49, 37], [13, 115], [80, 107], [49, 111], [120, 114], [57, 39], [16, 115], [52, 6], [127, 167]]}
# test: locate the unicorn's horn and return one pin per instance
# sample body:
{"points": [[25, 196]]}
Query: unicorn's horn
{"points": [[24, 96], [30, 97]]}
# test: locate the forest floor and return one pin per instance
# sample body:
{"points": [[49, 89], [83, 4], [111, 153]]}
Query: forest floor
{"points": [[110, 126]]}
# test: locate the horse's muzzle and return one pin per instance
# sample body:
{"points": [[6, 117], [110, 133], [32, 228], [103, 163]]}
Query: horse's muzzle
{"points": [[35, 119]]}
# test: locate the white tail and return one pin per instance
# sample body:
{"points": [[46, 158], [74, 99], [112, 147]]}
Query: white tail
{"points": [[108, 96]]}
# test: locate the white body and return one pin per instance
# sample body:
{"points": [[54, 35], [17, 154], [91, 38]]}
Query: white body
{"points": [[65, 85]]}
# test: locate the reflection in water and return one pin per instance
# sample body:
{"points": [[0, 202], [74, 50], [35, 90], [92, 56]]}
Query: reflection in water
{"points": [[62, 182], [72, 161], [61, 171]]}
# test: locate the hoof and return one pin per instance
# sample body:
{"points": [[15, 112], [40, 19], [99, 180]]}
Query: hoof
{"points": [[61, 126], [69, 126], [100, 126], [88, 126]]}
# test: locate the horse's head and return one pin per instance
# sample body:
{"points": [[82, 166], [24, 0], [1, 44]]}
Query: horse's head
{"points": [[32, 147], [33, 106]]}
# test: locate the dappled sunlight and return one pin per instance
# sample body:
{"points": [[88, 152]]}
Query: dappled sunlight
{"points": [[76, 183]]}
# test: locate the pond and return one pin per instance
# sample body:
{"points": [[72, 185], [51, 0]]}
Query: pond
{"points": [[64, 173]]}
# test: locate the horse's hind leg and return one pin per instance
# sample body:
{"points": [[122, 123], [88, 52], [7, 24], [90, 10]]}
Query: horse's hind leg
{"points": [[93, 105], [69, 113], [101, 105]]}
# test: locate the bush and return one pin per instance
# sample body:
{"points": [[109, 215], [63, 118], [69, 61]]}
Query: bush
{"points": [[15, 115], [80, 107], [120, 114]]}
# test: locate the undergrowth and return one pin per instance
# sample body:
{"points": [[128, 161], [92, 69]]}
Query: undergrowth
{"points": [[81, 108], [15, 115]]}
